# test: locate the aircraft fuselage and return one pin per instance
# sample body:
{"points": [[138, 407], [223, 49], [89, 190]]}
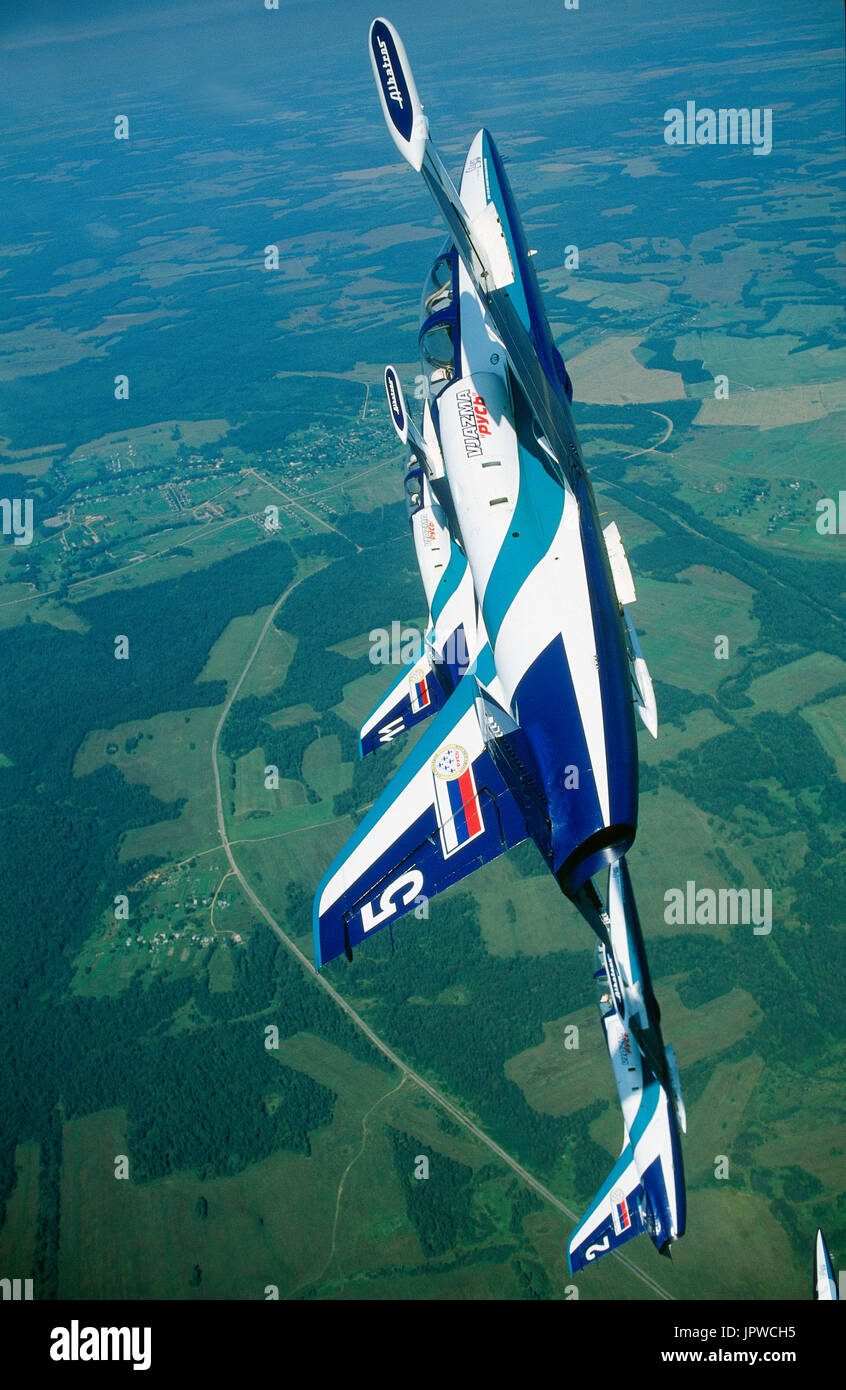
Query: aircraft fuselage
{"points": [[546, 601]]}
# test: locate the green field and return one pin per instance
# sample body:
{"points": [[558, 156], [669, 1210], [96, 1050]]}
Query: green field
{"points": [[798, 682], [559, 1079], [351, 1218], [828, 721], [679, 623]]}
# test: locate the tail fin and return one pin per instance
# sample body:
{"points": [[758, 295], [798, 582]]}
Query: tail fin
{"points": [[645, 1190]]}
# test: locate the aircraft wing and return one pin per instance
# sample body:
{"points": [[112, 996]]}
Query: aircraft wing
{"points": [[445, 812], [480, 242], [613, 1218], [414, 695]]}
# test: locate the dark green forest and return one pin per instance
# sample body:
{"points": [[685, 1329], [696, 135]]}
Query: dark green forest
{"points": [[439, 1204], [367, 591]]}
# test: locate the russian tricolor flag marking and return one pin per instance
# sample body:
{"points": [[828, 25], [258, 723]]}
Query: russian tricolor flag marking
{"points": [[456, 798], [620, 1212], [419, 690]]}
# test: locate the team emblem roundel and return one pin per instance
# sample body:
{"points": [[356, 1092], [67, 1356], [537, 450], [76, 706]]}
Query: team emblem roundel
{"points": [[450, 762]]}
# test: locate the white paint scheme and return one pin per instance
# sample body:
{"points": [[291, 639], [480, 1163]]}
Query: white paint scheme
{"points": [[406, 887], [538, 612], [474, 194], [424, 666], [479, 342], [476, 482], [644, 695], [655, 1142], [625, 1063], [626, 1060], [619, 937], [433, 448], [489, 238], [432, 542], [460, 608], [549, 596], [623, 582], [537, 615]]}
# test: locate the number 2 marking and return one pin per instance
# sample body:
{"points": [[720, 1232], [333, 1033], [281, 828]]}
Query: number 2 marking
{"points": [[594, 1250]]}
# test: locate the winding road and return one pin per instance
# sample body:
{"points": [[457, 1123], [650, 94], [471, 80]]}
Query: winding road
{"points": [[652, 447]]}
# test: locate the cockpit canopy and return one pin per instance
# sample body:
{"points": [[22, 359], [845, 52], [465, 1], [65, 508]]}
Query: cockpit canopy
{"points": [[413, 486], [437, 348], [439, 322], [437, 292]]}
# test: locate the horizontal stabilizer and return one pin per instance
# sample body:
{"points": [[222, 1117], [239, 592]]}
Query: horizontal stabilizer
{"points": [[614, 1218]]}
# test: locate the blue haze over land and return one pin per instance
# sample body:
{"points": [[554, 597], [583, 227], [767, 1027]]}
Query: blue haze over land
{"points": [[250, 127]]}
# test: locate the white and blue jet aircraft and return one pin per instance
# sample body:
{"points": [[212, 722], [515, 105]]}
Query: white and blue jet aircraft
{"points": [[531, 670]]}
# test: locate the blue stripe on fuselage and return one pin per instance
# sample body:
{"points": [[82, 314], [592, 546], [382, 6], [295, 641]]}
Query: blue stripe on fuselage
{"points": [[537, 516], [449, 582], [614, 675]]}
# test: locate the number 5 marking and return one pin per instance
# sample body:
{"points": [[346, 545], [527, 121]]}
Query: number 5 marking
{"points": [[409, 885]]}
